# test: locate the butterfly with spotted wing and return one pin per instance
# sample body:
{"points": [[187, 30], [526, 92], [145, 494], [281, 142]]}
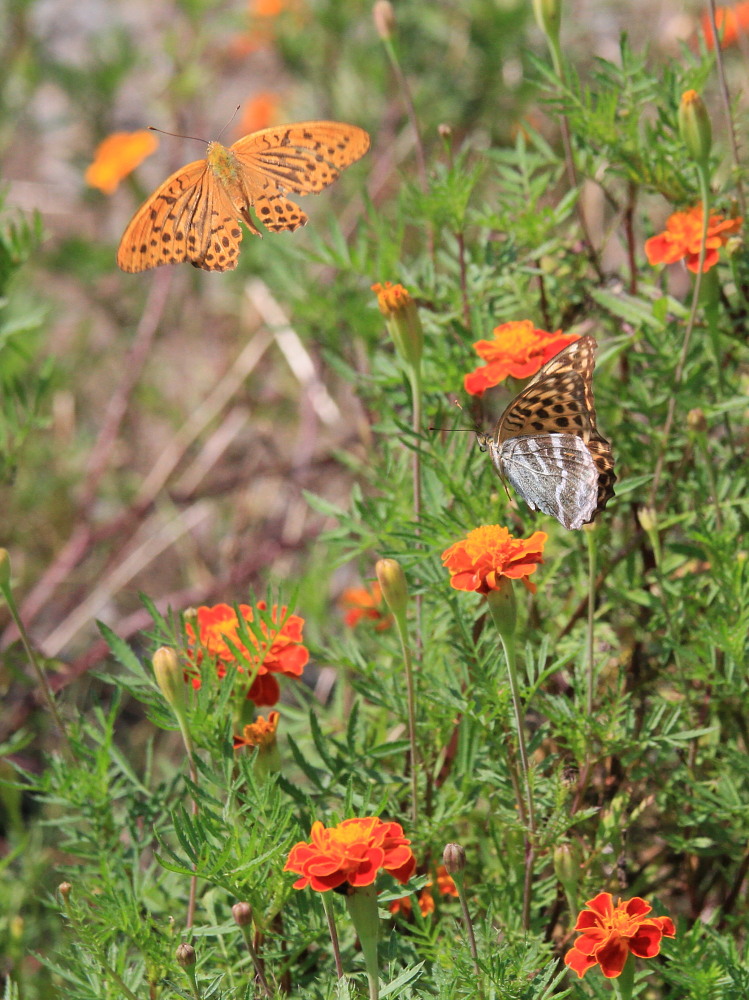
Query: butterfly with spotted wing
{"points": [[194, 215], [546, 443]]}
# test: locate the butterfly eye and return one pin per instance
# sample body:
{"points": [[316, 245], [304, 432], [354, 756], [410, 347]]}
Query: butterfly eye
{"points": [[482, 440]]}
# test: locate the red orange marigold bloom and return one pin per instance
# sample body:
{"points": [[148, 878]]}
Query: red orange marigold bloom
{"points": [[518, 349], [731, 22], [280, 652], [364, 602], [352, 852], [682, 239], [117, 156], [610, 933], [489, 553]]}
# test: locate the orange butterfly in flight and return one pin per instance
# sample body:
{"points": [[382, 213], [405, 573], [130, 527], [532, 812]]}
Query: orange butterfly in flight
{"points": [[195, 213]]}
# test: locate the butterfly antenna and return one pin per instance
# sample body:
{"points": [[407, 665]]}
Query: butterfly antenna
{"points": [[176, 135], [229, 122]]}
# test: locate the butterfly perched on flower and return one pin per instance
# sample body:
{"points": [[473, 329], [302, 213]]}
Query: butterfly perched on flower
{"points": [[194, 215], [546, 443]]}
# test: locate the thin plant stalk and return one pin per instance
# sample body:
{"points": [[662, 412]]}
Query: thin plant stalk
{"points": [[258, 965], [459, 879], [502, 607], [7, 593], [668, 424], [727, 110], [400, 622], [330, 917], [590, 671]]}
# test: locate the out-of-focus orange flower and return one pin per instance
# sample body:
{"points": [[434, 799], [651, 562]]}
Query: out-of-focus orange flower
{"points": [[518, 349], [732, 22], [117, 156], [682, 239], [260, 733], [610, 933], [279, 652], [363, 602], [352, 852], [489, 553], [258, 113], [445, 887], [261, 14]]}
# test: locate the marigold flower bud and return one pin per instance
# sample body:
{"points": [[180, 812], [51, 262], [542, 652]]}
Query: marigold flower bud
{"points": [[402, 320], [454, 858], [646, 517], [694, 126], [384, 18], [567, 866], [186, 955], [170, 676], [549, 17], [696, 420], [393, 585], [4, 568], [65, 888], [242, 913]]}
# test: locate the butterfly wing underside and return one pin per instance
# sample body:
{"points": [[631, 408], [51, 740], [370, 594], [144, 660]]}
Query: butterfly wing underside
{"points": [[547, 443], [188, 218]]}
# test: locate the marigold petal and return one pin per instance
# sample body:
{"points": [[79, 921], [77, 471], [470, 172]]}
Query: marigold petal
{"points": [[646, 942], [612, 956], [602, 904], [578, 962], [264, 690]]}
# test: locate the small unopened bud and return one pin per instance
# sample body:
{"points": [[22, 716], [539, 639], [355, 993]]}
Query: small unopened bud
{"points": [[696, 420], [384, 19], [64, 888], [393, 585], [170, 676], [4, 568], [402, 320], [444, 131], [454, 858], [242, 913], [694, 126], [646, 517], [186, 955], [567, 866], [549, 17]]}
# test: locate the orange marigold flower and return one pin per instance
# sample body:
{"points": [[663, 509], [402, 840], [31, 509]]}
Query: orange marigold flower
{"points": [[402, 320], [489, 553], [518, 349], [682, 239], [363, 602], [445, 887], [351, 853], [260, 733], [258, 113], [279, 652], [610, 933], [117, 156], [731, 22]]}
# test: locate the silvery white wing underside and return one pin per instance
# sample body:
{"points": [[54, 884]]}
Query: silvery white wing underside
{"points": [[554, 473]]}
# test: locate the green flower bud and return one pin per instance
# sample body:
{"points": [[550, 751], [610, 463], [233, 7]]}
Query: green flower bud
{"points": [[393, 585], [694, 127], [549, 17], [402, 320], [170, 677]]}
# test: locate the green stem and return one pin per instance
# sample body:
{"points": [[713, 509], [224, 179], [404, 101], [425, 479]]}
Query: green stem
{"points": [[502, 607], [330, 917], [252, 952], [400, 622], [705, 194], [590, 533], [6, 591], [459, 879], [187, 740], [362, 907]]}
